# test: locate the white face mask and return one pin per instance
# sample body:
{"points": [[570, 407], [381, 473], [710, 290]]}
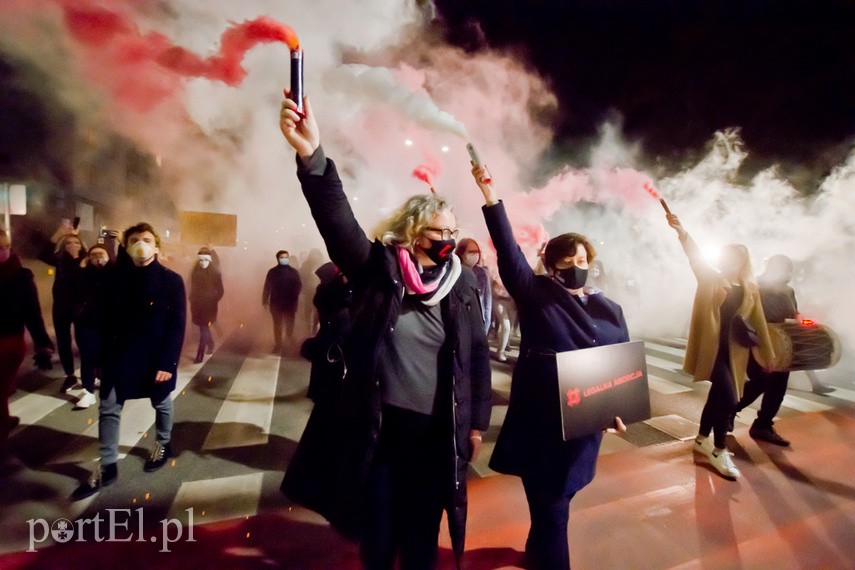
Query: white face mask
{"points": [[141, 252], [284, 261], [471, 259], [204, 261]]}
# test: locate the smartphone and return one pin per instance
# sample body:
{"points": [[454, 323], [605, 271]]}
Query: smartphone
{"points": [[76, 222]]}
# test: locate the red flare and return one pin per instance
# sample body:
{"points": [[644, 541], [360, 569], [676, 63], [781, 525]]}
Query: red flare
{"points": [[808, 322]]}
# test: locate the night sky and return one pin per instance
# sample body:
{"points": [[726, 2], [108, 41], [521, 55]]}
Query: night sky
{"points": [[676, 71]]}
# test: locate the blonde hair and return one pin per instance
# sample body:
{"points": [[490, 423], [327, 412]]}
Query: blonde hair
{"points": [[746, 273], [60, 245], [407, 222]]}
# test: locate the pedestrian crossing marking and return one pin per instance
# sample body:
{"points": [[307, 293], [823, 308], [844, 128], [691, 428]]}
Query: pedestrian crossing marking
{"points": [[33, 407], [664, 364], [223, 498], [245, 416], [804, 405], [663, 386]]}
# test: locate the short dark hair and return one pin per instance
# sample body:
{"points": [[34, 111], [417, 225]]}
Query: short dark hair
{"points": [[138, 229], [281, 252], [566, 245]]}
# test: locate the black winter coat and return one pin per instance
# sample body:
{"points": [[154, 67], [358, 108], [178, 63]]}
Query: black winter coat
{"points": [[149, 312], [206, 290], [329, 467], [96, 288], [332, 300], [66, 282], [530, 443], [282, 288], [19, 303]]}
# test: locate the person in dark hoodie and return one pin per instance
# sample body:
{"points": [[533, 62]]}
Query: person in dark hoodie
{"points": [[281, 295], [65, 253], [417, 394], [206, 291], [148, 307], [333, 299], [19, 307], [557, 313], [91, 320]]}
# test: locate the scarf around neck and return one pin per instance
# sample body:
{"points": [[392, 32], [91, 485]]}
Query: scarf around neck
{"points": [[433, 292]]}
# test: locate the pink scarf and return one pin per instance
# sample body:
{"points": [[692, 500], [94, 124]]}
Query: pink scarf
{"points": [[412, 278]]}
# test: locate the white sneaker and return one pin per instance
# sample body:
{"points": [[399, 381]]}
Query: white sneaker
{"points": [[502, 356], [724, 465], [86, 400], [704, 447], [97, 382]]}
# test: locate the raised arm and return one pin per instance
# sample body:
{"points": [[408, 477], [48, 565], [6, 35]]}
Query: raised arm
{"points": [[517, 276], [346, 242], [699, 265]]}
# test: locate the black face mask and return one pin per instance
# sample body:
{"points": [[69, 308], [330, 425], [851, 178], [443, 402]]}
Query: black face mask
{"points": [[572, 278], [440, 250]]}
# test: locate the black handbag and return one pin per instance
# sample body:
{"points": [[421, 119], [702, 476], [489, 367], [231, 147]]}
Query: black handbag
{"points": [[744, 333]]}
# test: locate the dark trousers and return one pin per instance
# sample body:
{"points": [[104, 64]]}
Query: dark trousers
{"points": [[206, 340], [90, 341], [404, 494], [546, 546], [721, 403], [773, 387], [281, 315], [62, 329]]}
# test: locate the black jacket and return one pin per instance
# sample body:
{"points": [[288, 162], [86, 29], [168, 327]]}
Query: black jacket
{"points": [[148, 316], [329, 467], [66, 282], [206, 290], [333, 298], [530, 443], [282, 288], [95, 290], [19, 303]]}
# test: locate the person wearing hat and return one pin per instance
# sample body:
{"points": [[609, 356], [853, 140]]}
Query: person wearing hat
{"points": [[281, 293], [97, 279], [206, 290]]}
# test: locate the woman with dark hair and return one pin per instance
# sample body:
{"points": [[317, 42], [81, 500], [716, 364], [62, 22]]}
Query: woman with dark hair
{"points": [[469, 253], [557, 313], [394, 454], [727, 320], [206, 290]]}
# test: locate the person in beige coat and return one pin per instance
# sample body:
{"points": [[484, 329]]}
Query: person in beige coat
{"points": [[727, 320]]}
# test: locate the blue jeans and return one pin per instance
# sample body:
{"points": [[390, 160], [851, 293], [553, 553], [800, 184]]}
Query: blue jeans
{"points": [[109, 415]]}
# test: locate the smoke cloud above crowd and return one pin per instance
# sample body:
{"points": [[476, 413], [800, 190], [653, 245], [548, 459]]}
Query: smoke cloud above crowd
{"points": [[392, 97]]}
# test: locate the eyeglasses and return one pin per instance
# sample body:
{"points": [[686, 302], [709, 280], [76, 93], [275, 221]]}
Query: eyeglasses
{"points": [[445, 232]]}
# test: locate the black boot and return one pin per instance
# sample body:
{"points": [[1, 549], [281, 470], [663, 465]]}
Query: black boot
{"points": [[200, 354], [103, 476]]}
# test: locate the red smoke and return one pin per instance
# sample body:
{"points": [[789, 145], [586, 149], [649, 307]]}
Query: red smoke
{"points": [[143, 69], [428, 171], [424, 174]]}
